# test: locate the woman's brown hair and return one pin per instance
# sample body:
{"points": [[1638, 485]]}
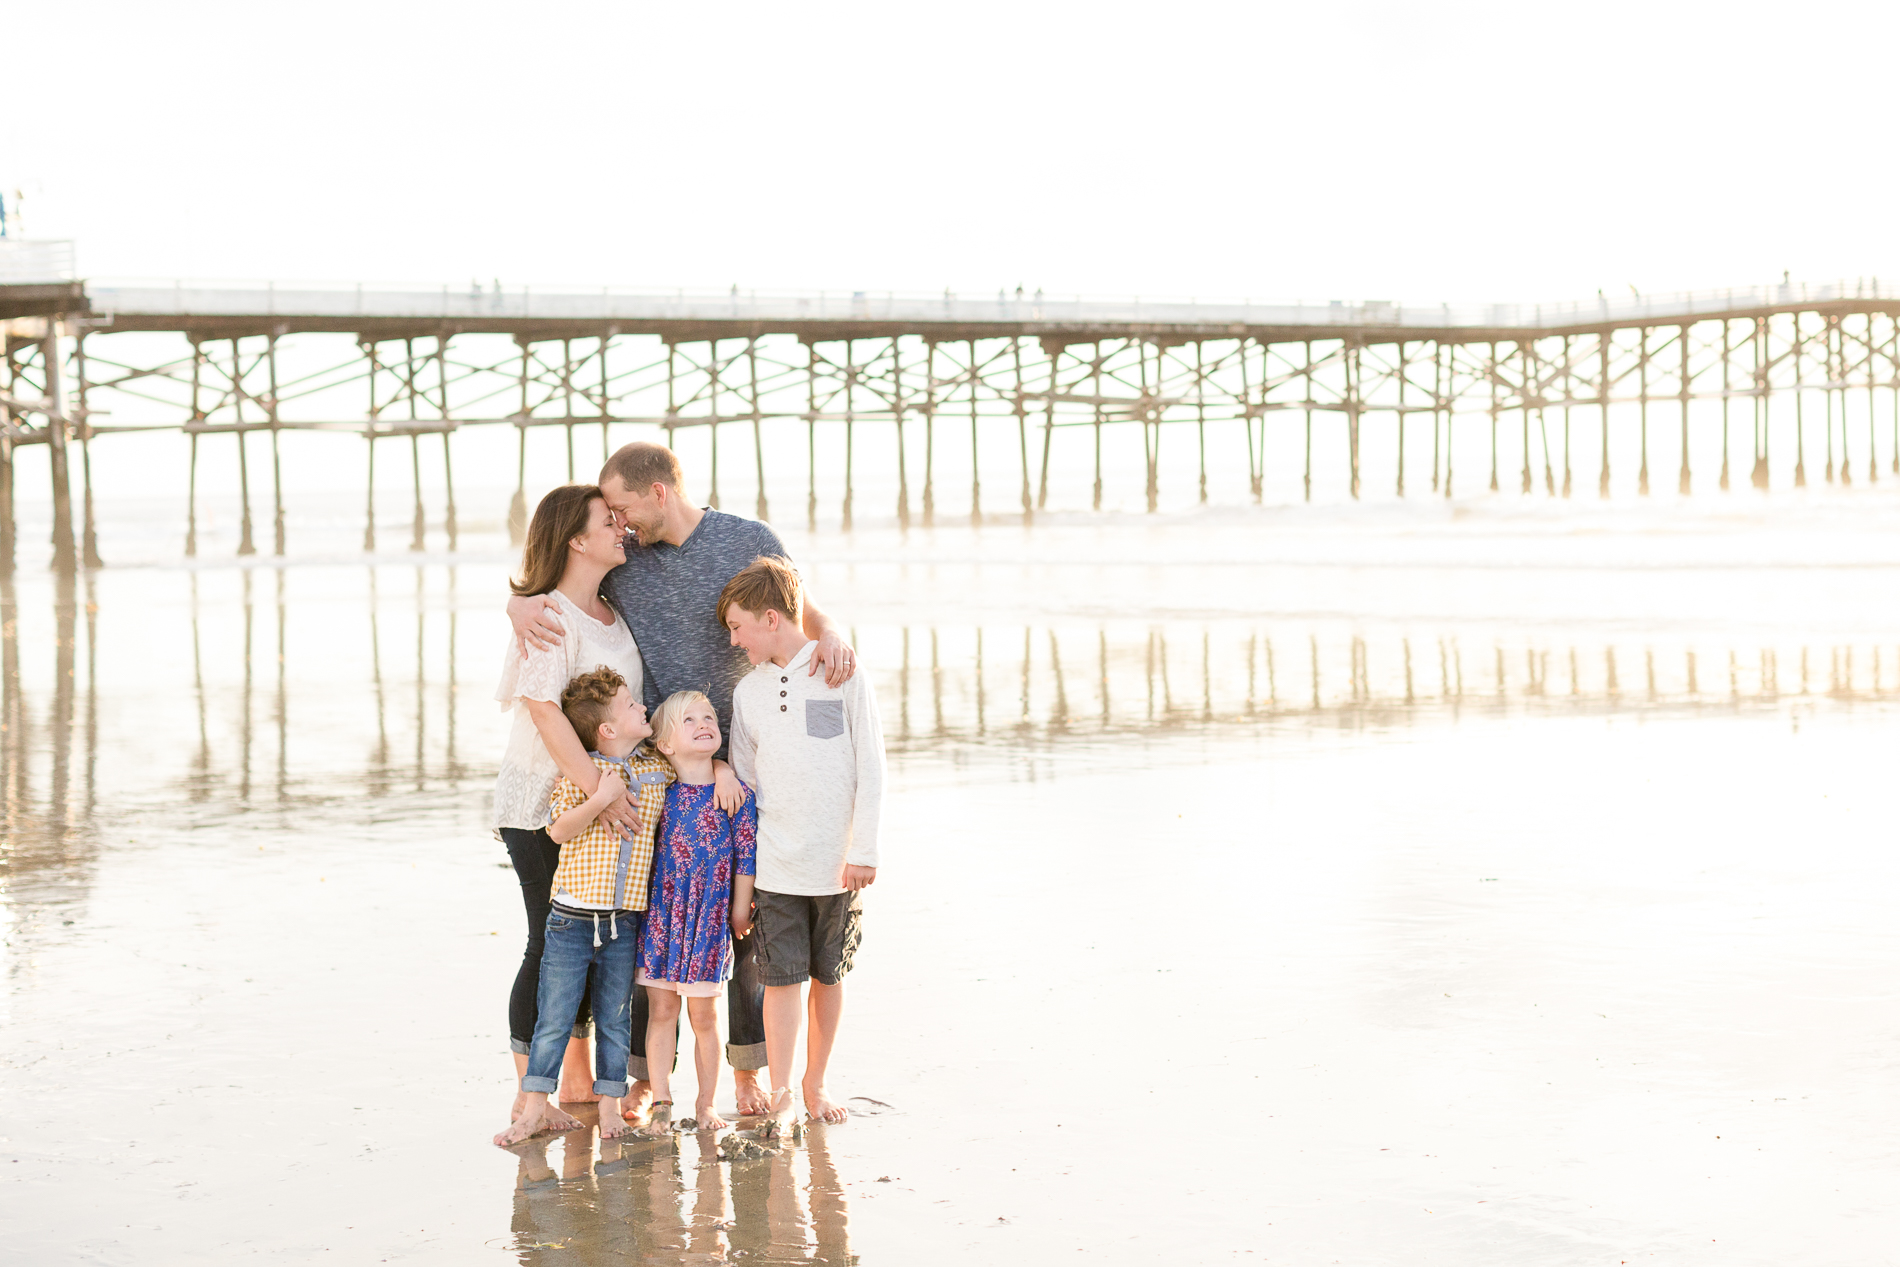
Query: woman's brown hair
{"points": [[563, 515]]}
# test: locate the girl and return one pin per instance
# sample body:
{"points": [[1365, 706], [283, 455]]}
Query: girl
{"points": [[572, 543], [702, 881]]}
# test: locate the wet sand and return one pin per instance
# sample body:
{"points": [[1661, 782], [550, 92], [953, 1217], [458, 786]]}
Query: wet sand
{"points": [[1168, 963]]}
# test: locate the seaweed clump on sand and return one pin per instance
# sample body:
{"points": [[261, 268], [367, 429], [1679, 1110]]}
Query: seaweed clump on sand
{"points": [[772, 1130], [737, 1147]]}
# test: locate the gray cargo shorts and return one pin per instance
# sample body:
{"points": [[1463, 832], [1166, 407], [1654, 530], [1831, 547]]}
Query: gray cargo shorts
{"points": [[797, 938]]}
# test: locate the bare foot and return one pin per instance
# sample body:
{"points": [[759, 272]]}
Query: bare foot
{"points": [[583, 1093], [527, 1125], [554, 1119], [706, 1119], [636, 1102], [659, 1120], [782, 1115], [612, 1125], [820, 1107], [752, 1098]]}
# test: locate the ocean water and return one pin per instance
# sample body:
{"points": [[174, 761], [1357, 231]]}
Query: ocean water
{"points": [[1496, 882]]}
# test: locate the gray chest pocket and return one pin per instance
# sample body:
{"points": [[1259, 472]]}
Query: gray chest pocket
{"points": [[824, 718]]}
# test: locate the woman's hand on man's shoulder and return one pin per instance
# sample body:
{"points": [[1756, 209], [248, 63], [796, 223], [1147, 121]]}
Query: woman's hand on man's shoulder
{"points": [[536, 621]]}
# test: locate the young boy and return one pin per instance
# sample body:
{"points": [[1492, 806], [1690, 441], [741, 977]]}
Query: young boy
{"points": [[600, 892], [814, 755]]}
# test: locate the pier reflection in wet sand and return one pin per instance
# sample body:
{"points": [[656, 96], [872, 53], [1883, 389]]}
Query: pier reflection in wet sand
{"points": [[382, 712], [44, 814]]}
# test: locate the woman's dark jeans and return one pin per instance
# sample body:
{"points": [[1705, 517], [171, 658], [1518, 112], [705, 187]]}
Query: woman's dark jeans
{"points": [[535, 856]]}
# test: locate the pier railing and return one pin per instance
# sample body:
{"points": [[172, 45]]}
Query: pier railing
{"points": [[478, 304]]}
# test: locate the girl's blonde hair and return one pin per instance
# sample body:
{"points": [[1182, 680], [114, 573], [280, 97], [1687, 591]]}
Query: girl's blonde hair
{"points": [[666, 718]]}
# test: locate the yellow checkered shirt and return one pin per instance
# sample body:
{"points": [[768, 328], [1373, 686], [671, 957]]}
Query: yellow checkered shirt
{"points": [[597, 867]]}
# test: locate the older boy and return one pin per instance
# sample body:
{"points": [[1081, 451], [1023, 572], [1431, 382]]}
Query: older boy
{"points": [[600, 896], [814, 754]]}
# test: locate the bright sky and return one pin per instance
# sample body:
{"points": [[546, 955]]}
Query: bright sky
{"points": [[1260, 150]]}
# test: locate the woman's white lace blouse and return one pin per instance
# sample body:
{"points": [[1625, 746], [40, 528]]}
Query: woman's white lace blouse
{"points": [[528, 773]]}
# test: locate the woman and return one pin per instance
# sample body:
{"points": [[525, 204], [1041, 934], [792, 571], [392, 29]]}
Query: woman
{"points": [[573, 542]]}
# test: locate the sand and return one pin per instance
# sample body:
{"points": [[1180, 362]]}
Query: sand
{"points": [[1507, 978]]}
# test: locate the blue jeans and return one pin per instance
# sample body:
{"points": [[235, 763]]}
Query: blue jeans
{"points": [[567, 953], [535, 856]]}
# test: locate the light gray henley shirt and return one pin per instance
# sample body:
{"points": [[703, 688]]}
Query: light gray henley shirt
{"points": [[814, 754]]}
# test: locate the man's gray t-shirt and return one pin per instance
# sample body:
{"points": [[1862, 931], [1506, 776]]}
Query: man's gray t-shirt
{"points": [[669, 597]]}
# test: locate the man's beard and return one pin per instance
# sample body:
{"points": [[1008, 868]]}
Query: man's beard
{"points": [[640, 534]]}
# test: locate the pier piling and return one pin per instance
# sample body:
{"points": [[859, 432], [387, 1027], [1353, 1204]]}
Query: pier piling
{"points": [[976, 465], [1603, 406], [1022, 434], [1642, 407], [1723, 482], [245, 544], [82, 431], [7, 528], [369, 443], [1682, 479], [276, 455], [758, 423]]}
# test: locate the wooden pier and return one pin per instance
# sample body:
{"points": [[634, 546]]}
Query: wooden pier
{"points": [[215, 364]]}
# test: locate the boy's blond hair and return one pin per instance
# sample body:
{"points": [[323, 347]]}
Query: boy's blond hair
{"points": [[767, 583], [586, 701], [666, 718]]}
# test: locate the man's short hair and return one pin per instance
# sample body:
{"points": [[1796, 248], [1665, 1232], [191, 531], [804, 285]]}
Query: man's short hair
{"points": [[641, 465], [767, 583], [586, 701]]}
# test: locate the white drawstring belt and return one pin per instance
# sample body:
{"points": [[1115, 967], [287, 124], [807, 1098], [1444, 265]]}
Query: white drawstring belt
{"points": [[613, 927]]}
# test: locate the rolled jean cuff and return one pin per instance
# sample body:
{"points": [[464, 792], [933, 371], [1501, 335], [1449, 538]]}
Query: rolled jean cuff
{"points": [[637, 1068], [614, 1089], [517, 1046], [745, 1055], [546, 1086]]}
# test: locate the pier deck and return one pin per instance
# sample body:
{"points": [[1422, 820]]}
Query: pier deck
{"points": [[227, 311]]}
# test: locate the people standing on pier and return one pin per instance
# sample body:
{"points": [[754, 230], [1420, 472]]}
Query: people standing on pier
{"points": [[667, 592], [573, 542]]}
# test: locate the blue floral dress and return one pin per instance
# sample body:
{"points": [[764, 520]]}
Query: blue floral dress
{"points": [[688, 934]]}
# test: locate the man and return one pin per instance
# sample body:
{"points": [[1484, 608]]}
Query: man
{"points": [[668, 593]]}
